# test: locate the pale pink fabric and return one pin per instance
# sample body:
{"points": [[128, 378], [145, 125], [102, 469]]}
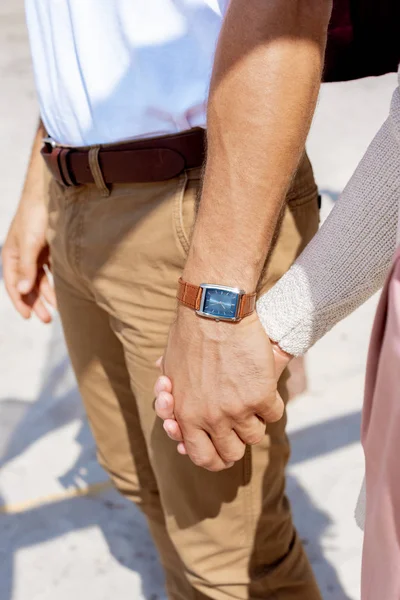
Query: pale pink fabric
{"points": [[381, 442]]}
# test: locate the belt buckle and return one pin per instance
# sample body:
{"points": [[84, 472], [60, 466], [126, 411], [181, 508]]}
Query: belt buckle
{"points": [[49, 143], [60, 167]]}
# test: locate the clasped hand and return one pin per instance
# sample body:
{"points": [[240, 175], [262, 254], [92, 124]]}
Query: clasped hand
{"points": [[218, 388]]}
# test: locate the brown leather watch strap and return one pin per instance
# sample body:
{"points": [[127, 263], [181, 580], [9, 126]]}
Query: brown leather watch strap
{"points": [[190, 295], [247, 305]]}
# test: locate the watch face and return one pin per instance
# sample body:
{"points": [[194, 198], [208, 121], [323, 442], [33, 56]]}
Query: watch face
{"points": [[220, 303]]}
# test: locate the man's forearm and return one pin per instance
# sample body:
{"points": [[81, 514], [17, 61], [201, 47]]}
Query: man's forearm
{"points": [[33, 189], [264, 88]]}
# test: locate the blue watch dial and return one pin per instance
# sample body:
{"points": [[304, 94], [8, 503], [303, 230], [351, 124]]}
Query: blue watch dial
{"points": [[220, 303]]}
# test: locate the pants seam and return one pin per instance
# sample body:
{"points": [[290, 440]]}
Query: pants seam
{"points": [[79, 235], [248, 497]]}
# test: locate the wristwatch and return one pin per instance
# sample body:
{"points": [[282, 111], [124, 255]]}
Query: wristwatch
{"points": [[218, 302]]}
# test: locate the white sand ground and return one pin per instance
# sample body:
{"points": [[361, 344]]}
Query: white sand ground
{"points": [[54, 547]]}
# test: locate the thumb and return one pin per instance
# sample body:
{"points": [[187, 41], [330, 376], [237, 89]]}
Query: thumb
{"points": [[282, 359], [28, 265]]}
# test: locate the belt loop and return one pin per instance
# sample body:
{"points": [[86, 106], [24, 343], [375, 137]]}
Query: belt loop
{"points": [[96, 171], [63, 165]]}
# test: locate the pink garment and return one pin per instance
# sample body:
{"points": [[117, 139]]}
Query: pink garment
{"points": [[381, 441]]}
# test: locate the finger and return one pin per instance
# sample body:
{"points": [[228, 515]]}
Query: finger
{"points": [[202, 452], [164, 406], [160, 364], [229, 446], [282, 359], [38, 306], [28, 264], [10, 272], [173, 430], [163, 384], [182, 449], [47, 291], [33, 300], [19, 303], [272, 411], [251, 431]]}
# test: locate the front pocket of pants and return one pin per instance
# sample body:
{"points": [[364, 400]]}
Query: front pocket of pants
{"points": [[306, 214], [184, 211]]}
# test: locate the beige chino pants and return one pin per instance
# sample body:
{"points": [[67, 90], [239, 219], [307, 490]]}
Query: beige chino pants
{"points": [[116, 263]]}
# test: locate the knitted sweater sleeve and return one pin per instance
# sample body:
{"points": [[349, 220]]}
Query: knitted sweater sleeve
{"points": [[349, 258]]}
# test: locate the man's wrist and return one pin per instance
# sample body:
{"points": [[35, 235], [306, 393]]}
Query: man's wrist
{"points": [[199, 328], [219, 267]]}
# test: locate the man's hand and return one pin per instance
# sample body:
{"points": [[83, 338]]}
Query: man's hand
{"points": [[224, 382], [25, 253], [165, 401]]}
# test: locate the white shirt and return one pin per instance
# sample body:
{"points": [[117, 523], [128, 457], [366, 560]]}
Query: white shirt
{"points": [[113, 70]]}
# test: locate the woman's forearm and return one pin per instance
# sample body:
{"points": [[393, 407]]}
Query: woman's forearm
{"points": [[349, 258]]}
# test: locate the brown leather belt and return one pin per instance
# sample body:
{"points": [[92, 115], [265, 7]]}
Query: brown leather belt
{"points": [[140, 161]]}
